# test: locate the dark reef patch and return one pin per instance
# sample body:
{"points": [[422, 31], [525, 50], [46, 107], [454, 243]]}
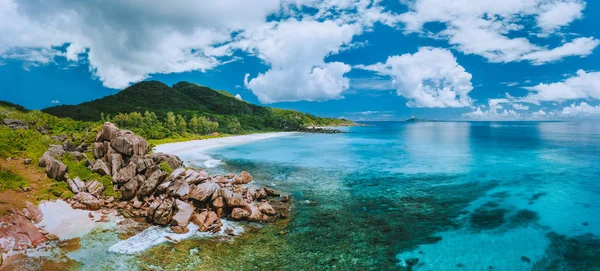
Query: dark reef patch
{"points": [[523, 218], [571, 253], [486, 218]]}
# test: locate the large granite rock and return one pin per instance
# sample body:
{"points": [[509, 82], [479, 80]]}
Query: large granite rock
{"points": [[52, 152], [125, 174], [161, 211], [155, 177], [86, 201], [101, 168], [129, 189], [109, 131], [203, 191], [94, 187], [15, 124], [141, 163], [76, 185], [184, 213], [242, 178], [129, 143], [56, 169]]}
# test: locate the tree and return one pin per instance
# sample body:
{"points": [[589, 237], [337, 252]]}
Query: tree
{"points": [[181, 124], [171, 122]]}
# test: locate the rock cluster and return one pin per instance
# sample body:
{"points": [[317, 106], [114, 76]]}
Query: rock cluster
{"points": [[176, 198], [15, 124]]}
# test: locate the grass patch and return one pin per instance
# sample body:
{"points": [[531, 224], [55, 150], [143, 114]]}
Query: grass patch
{"points": [[79, 169], [11, 181], [165, 167]]}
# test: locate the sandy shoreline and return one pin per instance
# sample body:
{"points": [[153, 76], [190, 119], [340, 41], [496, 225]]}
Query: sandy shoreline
{"points": [[205, 144]]}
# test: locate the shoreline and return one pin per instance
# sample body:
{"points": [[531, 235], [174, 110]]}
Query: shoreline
{"points": [[201, 145]]}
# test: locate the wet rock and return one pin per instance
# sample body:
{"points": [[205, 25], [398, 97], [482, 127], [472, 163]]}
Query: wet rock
{"points": [[161, 211], [55, 169], [219, 202], [179, 230], [203, 192], [239, 214], [255, 213], [267, 209], [86, 201], [236, 200], [17, 232], [242, 178], [184, 213], [101, 168]]}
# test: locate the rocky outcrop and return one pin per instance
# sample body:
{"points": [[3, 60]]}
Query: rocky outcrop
{"points": [[52, 152], [15, 124], [55, 169], [165, 199], [86, 201]]}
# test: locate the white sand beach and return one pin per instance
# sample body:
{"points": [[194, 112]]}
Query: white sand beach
{"points": [[202, 145]]}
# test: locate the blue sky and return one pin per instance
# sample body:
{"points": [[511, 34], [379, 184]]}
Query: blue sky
{"points": [[360, 59]]}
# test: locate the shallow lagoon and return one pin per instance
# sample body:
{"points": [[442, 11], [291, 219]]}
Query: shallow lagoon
{"points": [[420, 196]]}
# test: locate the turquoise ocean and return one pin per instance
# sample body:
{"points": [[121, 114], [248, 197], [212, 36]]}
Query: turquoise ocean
{"points": [[426, 196]]}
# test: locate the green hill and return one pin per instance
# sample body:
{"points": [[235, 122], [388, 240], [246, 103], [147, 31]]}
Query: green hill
{"points": [[188, 100]]}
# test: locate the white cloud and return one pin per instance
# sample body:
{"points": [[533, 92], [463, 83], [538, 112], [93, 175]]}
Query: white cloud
{"points": [[520, 107], [539, 113], [296, 50], [482, 27], [239, 97], [55, 101], [581, 110], [429, 78], [127, 41], [583, 85], [578, 47], [559, 13]]}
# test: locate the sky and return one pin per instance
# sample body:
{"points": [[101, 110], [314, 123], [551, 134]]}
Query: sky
{"points": [[358, 59]]}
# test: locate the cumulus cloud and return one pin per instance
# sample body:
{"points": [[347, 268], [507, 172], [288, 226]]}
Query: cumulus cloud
{"points": [[520, 107], [483, 27], [127, 41], [295, 51], [583, 85], [430, 77], [55, 101], [581, 110], [239, 97]]}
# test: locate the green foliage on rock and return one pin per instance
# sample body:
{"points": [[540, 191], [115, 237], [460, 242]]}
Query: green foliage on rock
{"points": [[165, 167], [79, 169]]}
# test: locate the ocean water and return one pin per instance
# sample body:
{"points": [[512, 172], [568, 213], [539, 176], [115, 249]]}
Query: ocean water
{"points": [[434, 196], [407, 196]]}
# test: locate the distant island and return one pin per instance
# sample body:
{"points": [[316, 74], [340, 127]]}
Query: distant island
{"points": [[413, 119]]}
